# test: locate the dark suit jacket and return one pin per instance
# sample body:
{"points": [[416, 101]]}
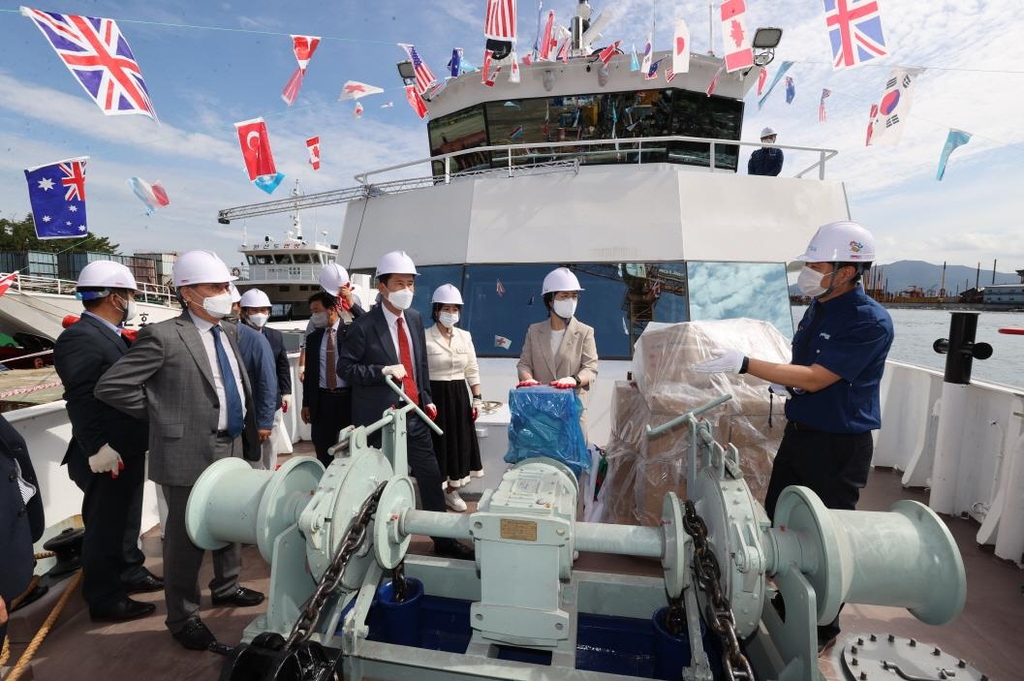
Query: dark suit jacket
{"points": [[314, 341], [366, 350], [84, 351], [281, 365], [20, 524], [167, 377]]}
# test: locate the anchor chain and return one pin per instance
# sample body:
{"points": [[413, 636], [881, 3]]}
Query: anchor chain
{"points": [[399, 583], [310, 611], [719, 613]]}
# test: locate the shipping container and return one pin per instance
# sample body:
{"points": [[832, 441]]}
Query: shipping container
{"points": [[143, 269], [40, 264]]}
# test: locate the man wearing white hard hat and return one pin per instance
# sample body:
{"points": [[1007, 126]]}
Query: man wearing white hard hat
{"points": [[767, 160], [388, 343], [106, 456], [186, 376], [258, 357], [832, 384], [335, 282], [255, 311]]}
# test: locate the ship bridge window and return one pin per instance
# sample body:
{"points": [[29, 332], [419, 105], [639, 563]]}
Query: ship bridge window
{"points": [[728, 290], [501, 301], [261, 259], [626, 117], [302, 258], [283, 258]]}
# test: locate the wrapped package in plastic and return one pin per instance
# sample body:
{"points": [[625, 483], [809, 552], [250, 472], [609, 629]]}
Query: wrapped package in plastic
{"points": [[664, 356], [546, 422]]}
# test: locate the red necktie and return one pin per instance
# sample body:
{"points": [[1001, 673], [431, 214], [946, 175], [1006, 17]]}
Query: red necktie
{"points": [[404, 353]]}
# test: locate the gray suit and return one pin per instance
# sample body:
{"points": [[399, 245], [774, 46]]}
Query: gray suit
{"points": [[167, 378]]}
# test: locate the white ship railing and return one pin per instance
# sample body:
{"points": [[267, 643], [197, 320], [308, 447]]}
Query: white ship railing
{"points": [[519, 159], [646, 149], [147, 293]]}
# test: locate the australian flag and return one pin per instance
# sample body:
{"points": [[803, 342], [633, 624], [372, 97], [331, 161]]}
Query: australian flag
{"points": [[57, 195], [855, 31]]}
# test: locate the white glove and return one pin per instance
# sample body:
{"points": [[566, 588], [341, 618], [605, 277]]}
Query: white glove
{"points": [[779, 389], [396, 370], [567, 382], [724, 362], [106, 460]]}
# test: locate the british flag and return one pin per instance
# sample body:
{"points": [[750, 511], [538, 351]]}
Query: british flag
{"points": [[424, 76], [855, 31], [98, 56]]}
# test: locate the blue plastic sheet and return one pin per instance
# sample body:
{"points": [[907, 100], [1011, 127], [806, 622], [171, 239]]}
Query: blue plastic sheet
{"points": [[546, 422]]}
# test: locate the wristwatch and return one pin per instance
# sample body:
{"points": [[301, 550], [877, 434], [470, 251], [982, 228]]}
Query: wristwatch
{"points": [[576, 377]]}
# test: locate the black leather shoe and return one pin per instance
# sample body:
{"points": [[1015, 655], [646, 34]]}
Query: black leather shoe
{"points": [[145, 585], [450, 548], [240, 597], [194, 635], [122, 611]]}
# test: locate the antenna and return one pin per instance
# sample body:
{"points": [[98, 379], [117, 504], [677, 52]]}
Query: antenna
{"points": [[711, 30], [296, 223]]}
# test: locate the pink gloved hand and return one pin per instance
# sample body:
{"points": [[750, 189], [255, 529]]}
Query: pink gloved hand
{"points": [[564, 383], [528, 383]]}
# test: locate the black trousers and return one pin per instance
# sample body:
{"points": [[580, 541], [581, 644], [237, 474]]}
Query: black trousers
{"points": [[333, 412], [834, 466], [111, 509]]}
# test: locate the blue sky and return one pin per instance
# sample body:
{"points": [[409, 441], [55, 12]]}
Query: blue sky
{"points": [[209, 64]]}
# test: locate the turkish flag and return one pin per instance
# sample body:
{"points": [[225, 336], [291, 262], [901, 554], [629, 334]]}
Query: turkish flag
{"points": [[252, 136]]}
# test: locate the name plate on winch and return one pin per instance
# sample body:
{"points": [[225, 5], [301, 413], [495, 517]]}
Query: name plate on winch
{"points": [[521, 530]]}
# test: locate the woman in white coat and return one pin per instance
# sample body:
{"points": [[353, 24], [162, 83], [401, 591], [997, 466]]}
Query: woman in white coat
{"points": [[454, 377], [560, 350]]}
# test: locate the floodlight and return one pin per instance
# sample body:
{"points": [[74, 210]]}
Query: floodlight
{"points": [[767, 38], [406, 71]]}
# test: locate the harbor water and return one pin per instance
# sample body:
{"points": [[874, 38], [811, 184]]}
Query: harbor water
{"points": [[917, 330]]}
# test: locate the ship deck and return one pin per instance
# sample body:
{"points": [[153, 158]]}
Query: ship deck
{"points": [[986, 634]]}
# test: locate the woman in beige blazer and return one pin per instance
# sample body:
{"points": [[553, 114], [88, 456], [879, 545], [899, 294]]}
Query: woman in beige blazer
{"points": [[560, 351]]}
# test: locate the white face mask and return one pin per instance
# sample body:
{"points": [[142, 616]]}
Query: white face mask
{"points": [[448, 319], [258, 320], [319, 319], [809, 282], [129, 309], [401, 299], [218, 306], [564, 308]]}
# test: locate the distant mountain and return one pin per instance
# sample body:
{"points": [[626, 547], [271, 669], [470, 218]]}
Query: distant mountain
{"points": [[906, 274]]}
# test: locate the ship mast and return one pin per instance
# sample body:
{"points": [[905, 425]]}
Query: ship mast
{"points": [[296, 222]]}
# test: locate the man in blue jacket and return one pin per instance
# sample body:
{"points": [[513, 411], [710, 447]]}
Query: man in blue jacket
{"points": [[255, 313], [766, 160], [259, 365]]}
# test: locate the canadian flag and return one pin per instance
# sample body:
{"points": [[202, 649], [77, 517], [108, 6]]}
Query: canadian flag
{"points": [[738, 53], [252, 136], [313, 145], [415, 101]]}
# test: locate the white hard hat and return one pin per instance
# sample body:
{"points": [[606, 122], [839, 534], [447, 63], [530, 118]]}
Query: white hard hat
{"points": [[395, 262], [446, 294], [236, 295], [200, 267], [842, 241], [332, 277], [255, 298], [769, 131], [561, 279], [104, 274]]}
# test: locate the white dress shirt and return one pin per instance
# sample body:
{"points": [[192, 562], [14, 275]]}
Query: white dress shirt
{"points": [[206, 335], [452, 361], [392, 320]]}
